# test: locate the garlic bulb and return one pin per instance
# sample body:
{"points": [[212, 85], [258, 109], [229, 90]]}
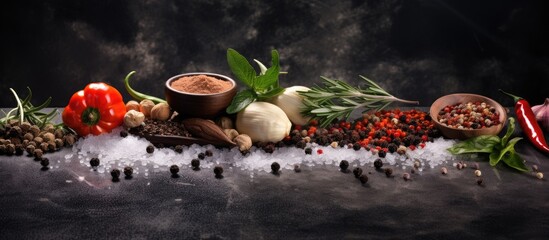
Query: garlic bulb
{"points": [[263, 122], [542, 114], [291, 103]]}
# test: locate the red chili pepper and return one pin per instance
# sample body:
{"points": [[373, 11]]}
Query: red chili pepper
{"points": [[528, 123], [97, 109]]}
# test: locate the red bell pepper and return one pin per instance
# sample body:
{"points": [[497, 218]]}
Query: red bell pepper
{"points": [[97, 109]]}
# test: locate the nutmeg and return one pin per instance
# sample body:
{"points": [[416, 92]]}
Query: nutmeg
{"points": [[145, 106], [132, 105], [160, 111]]}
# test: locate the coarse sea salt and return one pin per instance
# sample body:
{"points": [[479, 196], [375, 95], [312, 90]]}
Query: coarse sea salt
{"points": [[115, 151]]}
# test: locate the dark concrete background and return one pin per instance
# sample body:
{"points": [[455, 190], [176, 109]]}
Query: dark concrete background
{"points": [[418, 50]]}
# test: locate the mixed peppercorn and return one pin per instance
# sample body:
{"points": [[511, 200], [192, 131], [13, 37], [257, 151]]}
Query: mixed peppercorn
{"points": [[381, 132], [469, 115]]}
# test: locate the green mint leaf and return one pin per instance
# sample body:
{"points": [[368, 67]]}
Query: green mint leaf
{"points": [[480, 144], [241, 68], [510, 131], [270, 78], [241, 100], [515, 161], [271, 93]]}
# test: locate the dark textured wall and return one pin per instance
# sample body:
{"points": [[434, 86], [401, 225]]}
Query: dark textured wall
{"points": [[417, 50]]}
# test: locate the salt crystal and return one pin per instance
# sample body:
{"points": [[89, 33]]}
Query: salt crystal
{"points": [[117, 151]]}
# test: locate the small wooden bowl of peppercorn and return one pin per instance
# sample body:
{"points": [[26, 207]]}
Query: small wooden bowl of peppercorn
{"points": [[464, 115], [200, 94]]}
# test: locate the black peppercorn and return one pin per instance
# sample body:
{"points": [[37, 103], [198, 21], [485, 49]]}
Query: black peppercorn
{"points": [[44, 162], [94, 162], [356, 146], [19, 150], [178, 149], [115, 174], [201, 156], [382, 153], [479, 181], [378, 163], [123, 134], [357, 172], [388, 172], [209, 153], [150, 149], [275, 167], [301, 144], [174, 169], [218, 171], [308, 151], [363, 178], [392, 147], [344, 164], [269, 148], [195, 163], [128, 171], [297, 168]]}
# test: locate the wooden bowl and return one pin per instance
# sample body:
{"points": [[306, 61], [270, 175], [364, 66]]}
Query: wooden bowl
{"points": [[199, 105], [455, 133]]}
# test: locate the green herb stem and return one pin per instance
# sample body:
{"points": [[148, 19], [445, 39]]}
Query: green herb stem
{"points": [[19, 105], [337, 99]]}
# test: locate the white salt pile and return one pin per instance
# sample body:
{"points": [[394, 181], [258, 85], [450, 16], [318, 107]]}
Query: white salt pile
{"points": [[115, 151]]}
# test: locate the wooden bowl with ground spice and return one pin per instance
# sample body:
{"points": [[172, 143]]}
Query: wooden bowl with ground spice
{"points": [[202, 95]]}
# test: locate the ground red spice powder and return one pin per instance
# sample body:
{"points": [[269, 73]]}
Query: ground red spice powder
{"points": [[201, 84]]}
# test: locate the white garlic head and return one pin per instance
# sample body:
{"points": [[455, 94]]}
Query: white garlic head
{"points": [[263, 122]]}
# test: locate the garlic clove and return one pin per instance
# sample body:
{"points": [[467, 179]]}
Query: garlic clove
{"points": [[263, 122], [292, 103], [542, 114]]}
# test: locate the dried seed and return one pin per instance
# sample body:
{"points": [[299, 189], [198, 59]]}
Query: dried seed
{"points": [[444, 170], [478, 173]]}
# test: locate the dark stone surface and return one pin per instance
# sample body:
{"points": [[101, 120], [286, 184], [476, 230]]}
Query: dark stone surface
{"points": [[318, 203], [71, 201], [416, 49]]}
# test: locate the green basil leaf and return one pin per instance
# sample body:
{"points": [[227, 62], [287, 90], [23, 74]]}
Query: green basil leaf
{"points": [[271, 93], [480, 144], [510, 131], [241, 68], [515, 161], [262, 68], [241, 101], [494, 160], [270, 78], [510, 147]]}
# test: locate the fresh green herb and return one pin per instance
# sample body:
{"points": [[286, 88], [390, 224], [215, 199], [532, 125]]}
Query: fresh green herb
{"points": [[500, 149], [26, 111], [137, 95], [260, 86], [338, 99]]}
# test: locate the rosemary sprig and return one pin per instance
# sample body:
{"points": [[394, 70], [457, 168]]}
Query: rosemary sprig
{"points": [[26, 111], [337, 100]]}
